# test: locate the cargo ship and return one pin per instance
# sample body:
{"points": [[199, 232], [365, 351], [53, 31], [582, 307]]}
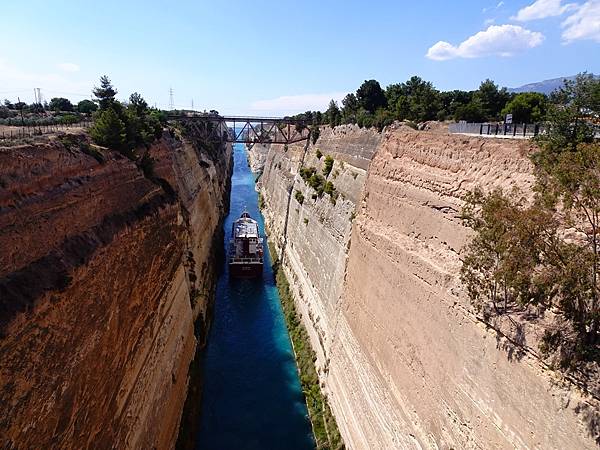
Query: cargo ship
{"points": [[245, 248]]}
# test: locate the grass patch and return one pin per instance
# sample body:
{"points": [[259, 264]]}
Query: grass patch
{"points": [[327, 435]]}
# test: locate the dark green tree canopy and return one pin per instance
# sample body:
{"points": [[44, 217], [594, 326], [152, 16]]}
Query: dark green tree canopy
{"points": [[109, 130], [60, 104], [528, 107], [491, 100], [370, 96], [333, 114], [86, 106], [138, 104]]}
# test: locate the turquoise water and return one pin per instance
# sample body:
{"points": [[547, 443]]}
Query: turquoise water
{"points": [[252, 397]]}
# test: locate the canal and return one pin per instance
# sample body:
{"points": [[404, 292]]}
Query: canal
{"points": [[252, 397]]}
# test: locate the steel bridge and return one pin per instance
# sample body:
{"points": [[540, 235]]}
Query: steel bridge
{"points": [[245, 130]]}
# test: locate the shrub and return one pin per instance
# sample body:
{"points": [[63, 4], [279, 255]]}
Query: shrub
{"points": [[318, 154], [328, 165], [307, 172], [299, 197], [315, 132], [69, 119]]}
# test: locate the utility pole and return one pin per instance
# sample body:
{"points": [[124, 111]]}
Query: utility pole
{"points": [[192, 104], [171, 99]]}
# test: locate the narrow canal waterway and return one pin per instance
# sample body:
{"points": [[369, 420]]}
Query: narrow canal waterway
{"points": [[252, 397]]}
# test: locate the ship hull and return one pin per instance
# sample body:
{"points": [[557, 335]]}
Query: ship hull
{"points": [[245, 270]]}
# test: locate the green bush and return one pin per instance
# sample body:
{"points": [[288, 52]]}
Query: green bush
{"points": [[307, 172], [328, 165], [299, 197], [318, 154]]}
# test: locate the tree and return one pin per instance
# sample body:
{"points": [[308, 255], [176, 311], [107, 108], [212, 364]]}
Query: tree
{"points": [[470, 112], [350, 107], [109, 130], [105, 94], [527, 107], [86, 106], [60, 104], [572, 112], [522, 254], [138, 104], [415, 100], [450, 101], [370, 96], [490, 99], [505, 251], [333, 114]]}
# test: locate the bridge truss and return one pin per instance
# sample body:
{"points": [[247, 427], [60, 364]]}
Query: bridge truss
{"points": [[244, 130]]}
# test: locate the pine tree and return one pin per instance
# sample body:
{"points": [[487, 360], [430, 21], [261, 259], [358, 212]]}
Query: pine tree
{"points": [[109, 131], [105, 93]]}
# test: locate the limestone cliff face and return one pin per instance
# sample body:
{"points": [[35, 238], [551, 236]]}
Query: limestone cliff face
{"points": [[318, 231], [405, 361], [102, 271]]}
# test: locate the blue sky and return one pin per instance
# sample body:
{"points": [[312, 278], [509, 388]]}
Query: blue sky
{"points": [[275, 57]]}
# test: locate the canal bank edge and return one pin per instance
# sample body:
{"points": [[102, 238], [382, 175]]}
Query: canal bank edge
{"points": [[324, 426]]}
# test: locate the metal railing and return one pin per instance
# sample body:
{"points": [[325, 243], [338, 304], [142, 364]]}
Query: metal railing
{"points": [[521, 130]]}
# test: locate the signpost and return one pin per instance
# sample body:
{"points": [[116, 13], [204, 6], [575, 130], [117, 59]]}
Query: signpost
{"points": [[508, 119]]}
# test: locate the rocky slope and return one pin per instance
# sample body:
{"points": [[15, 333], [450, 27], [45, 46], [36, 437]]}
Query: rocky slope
{"points": [[103, 270], [404, 359]]}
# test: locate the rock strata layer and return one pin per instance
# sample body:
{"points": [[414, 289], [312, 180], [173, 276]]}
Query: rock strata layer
{"points": [[103, 271], [404, 359]]}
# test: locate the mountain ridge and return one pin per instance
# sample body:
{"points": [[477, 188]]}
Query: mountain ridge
{"points": [[545, 86]]}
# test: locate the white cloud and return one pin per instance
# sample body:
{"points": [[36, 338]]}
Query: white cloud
{"points": [[584, 23], [540, 9], [497, 40], [488, 22], [290, 104], [498, 6], [68, 67]]}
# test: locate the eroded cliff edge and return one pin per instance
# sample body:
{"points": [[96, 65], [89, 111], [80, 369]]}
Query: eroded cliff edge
{"points": [[405, 361], [105, 271]]}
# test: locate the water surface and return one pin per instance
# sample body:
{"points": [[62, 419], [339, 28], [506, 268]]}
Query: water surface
{"points": [[252, 397]]}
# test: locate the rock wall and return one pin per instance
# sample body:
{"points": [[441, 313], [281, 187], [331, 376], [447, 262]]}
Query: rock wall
{"points": [[405, 361], [102, 271]]}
